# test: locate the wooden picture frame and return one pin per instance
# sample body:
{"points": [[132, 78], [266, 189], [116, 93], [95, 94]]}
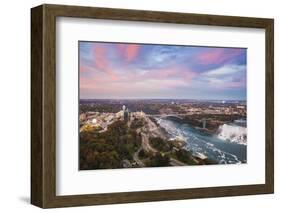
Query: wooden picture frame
{"points": [[43, 105]]}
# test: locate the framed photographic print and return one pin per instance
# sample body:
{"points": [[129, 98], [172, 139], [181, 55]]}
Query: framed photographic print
{"points": [[136, 106]]}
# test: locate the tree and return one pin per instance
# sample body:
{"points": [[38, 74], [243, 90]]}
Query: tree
{"points": [[159, 160]]}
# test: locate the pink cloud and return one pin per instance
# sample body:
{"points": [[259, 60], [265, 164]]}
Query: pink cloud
{"points": [[106, 88], [149, 83], [173, 73], [100, 62], [188, 75], [134, 81], [216, 56], [101, 87], [128, 51], [84, 68], [228, 85], [100, 57], [235, 84], [132, 51]]}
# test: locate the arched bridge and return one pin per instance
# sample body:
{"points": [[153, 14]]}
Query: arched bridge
{"points": [[180, 116]]}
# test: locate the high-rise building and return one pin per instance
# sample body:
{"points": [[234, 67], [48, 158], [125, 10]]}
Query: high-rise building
{"points": [[126, 115]]}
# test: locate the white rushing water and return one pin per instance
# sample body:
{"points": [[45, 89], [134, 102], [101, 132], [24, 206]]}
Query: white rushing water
{"points": [[233, 133], [214, 147]]}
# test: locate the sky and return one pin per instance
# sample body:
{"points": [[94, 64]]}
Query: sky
{"points": [[140, 71]]}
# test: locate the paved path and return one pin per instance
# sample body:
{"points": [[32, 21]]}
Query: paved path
{"points": [[146, 145], [136, 158], [175, 162]]}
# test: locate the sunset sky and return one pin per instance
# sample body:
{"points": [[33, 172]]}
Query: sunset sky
{"points": [[116, 70]]}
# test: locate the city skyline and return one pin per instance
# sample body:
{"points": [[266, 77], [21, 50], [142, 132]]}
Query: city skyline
{"points": [[149, 71]]}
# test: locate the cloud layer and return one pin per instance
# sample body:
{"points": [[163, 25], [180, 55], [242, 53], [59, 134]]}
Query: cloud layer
{"points": [[115, 70]]}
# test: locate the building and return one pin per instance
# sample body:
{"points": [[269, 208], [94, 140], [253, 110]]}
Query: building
{"points": [[82, 117], [126, 115], [94, 121], [240, 107]]}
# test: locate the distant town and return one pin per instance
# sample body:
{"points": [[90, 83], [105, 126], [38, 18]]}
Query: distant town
{"points": [[132, 133]]}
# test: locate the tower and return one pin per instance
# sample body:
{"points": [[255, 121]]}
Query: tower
{"points": [[123, 112], [204, 123], [126, 115]]}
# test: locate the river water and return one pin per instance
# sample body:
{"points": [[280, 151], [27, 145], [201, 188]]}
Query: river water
{"points": [[227, 146]]}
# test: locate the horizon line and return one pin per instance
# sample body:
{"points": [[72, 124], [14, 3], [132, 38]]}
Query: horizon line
{"points": [[162, 99]]}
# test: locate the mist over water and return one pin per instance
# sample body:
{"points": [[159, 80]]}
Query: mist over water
{"points": [[233, 133], [228, 146]]}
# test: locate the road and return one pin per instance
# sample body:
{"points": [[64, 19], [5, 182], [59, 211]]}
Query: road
{"points": [[145, 145], [136, 158], [175, 162]]}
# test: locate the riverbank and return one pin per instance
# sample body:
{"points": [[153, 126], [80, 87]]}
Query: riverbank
{"points": [[220, 150], [177, 146], [144, 141]]}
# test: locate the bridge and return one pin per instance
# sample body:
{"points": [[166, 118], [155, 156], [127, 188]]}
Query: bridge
{"points": [[179, 116], [167, 115]]}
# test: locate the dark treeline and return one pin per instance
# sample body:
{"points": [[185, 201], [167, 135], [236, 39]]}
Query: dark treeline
{"points": [[107, 150]]}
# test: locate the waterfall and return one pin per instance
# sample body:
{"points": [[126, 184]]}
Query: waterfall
{"points": [[233, 133]]}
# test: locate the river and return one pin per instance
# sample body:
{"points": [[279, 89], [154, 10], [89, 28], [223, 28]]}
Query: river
{"points": [[227, 146]]}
